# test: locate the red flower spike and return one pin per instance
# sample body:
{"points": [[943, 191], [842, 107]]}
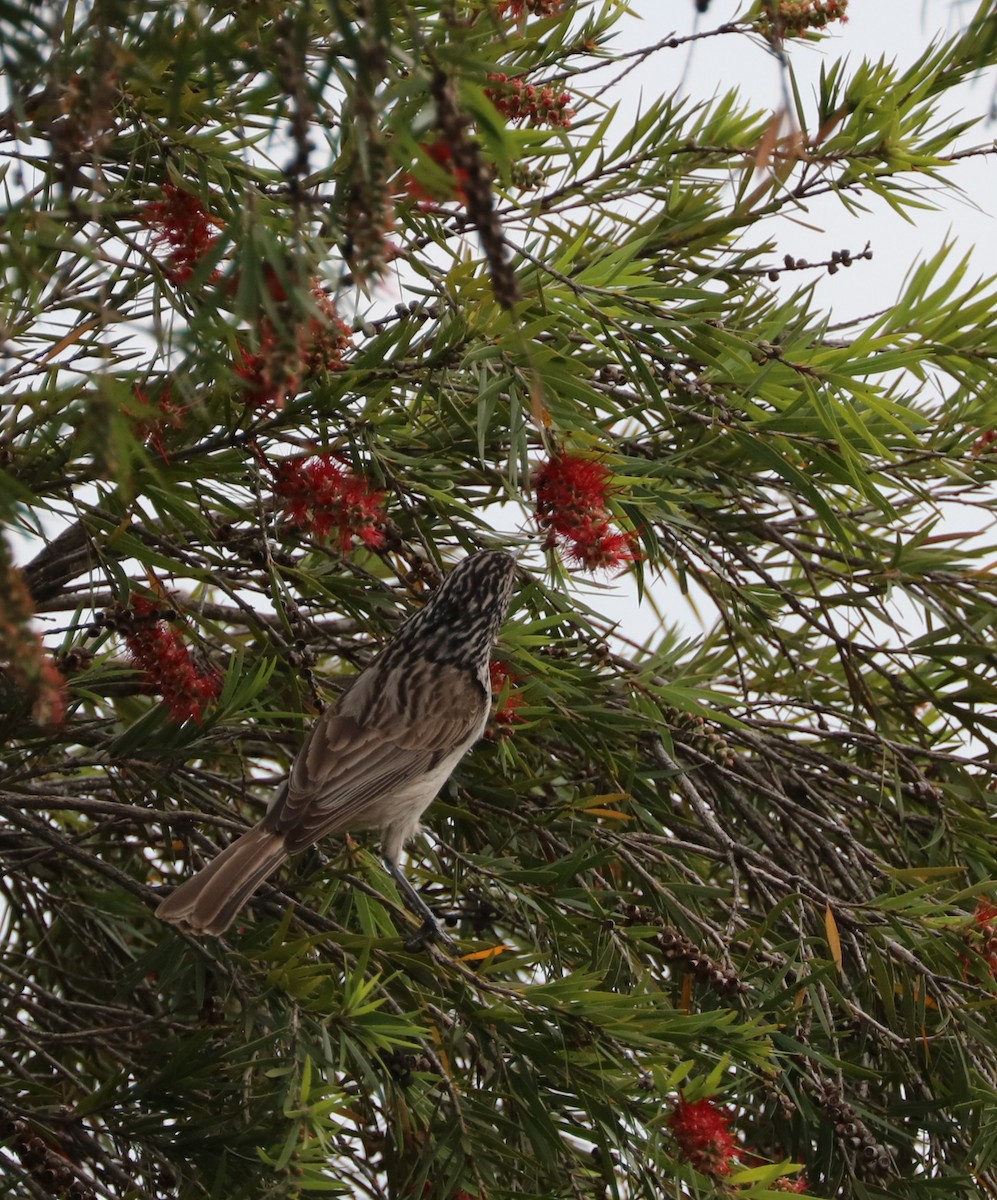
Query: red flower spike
{"points": [[984, 442], [161, 415], [442, 155], [520, 101], [326, 336], [24, 660], [50, 703], [322, 497], [789, 1183], [273, 284], [569, 491], [601, 549], [268, 376], [703, 1134], [791, 18], [572, 497], [507, 713], [160, 653], [983, 939], [785, 1183], [180, 222], [276, 372], [517, 9]]}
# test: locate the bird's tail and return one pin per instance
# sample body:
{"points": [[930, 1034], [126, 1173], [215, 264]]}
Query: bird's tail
{"points": [[208, 902]]}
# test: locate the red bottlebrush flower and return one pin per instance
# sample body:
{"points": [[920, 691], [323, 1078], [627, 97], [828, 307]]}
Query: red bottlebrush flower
{"points": [[520, 101], [600, 548], [570, 489], [791, 18], [789, 1183], [785, 1183], [985, 442], [517, 9], [269, 376], [161, 654], [50, 702], [274, 284], [23, 658], [503, 683], [161, 414], [321, 496], [703, 1134], [276, 371], [982, 937], [326, 336], [572, 497], [442, 155], [180, 222]]}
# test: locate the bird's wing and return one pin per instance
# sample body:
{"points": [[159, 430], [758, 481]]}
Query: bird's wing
{"points": [[381, 736]]}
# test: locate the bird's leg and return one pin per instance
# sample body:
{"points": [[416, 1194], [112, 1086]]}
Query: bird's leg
{"points": [[430, 930]]}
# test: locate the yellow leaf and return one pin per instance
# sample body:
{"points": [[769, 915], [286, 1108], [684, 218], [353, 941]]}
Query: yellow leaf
{"points": [[916, 993], [770, 138], [607, 812], [685, 1004], [71, 337], [608, 798], [540, 412], [479, 955], [833, 940]]}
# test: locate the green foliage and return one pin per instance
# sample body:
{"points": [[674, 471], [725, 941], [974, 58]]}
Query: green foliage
{"points": [[751, 866]]}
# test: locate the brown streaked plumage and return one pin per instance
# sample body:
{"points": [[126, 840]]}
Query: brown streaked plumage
{"points": [[379, 755]]}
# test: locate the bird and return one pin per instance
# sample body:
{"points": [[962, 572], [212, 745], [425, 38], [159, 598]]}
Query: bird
{"points": [[376, 758]]}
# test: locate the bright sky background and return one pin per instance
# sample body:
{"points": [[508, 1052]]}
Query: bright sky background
{"points": [[897, 30]]}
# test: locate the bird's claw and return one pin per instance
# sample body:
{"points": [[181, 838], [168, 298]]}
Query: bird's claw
{"points": [[430, 931]]}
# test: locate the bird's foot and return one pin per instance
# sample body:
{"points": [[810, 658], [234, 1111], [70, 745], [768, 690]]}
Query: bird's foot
{"points": [[430, 931]]}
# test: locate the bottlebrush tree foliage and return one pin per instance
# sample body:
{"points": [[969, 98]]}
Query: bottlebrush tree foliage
{"points": [[301, 303]]}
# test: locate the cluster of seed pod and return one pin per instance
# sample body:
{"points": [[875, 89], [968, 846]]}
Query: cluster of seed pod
{"points": [[476, 180], [872, 1160], [50, 1169], [368, 214], [676, 948], [401, 1066], [697, 734]]}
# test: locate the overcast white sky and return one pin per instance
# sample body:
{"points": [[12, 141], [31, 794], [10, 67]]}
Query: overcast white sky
{"points": [[897, 30]]}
